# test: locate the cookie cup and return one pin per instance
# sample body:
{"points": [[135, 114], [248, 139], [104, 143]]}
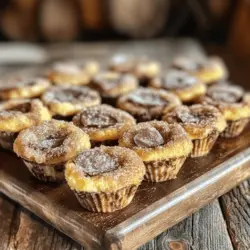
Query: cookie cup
{"points": [[102, 189], [203, 124], [47, 147], [19, 89], [103, 123], [162, 160], [16, 115]]}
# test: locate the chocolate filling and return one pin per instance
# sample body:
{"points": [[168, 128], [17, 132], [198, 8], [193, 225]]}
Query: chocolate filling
{"points": [[228, 94], [23, 107], [94, 162], [147, 98], [71, 94], [178, 80], [187, 117], [97, 119], [148, 138], [51, 142], [188, 64]]}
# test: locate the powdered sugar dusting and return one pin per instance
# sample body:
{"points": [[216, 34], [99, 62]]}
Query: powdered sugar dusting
{"points": [[147, 97], [176, 79], [70, 94], [226, 93]]}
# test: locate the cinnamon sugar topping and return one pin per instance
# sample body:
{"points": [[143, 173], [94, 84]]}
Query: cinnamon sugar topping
{"points": [[176, 79], [148, 137], [226, 93], [95, 161], [147, 97], [70, 94], [97, 118]]}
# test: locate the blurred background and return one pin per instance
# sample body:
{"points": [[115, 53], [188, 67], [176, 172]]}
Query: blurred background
{"points": [[222, 26], [215, 22]]}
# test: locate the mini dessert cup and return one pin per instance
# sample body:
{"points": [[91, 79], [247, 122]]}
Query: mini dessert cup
{"points": [[103, 123], [111, 85], [143, 68], [183, 84], [16, 115], [203, 124], [207, 71], [233, 103], [47, 147], [23, 88], [162, 147], [105, 179], [147, 104], [70, 73], [65, 101]]}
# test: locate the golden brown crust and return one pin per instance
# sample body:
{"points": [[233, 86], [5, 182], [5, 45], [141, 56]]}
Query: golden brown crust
{"points": [[141, 67], [68, 100], [103, 122], [51, 142], [28, 88], [147, 104], [113, 84], [209, 71], [198, 120], [183, 84], [130, 172], [68, 73], [16, 115], [175, 143], [231, 100]]}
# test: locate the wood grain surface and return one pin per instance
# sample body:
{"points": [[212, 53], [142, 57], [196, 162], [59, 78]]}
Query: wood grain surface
{"points": [[190, 174]]}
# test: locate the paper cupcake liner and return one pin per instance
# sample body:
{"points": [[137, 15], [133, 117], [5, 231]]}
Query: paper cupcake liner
{"points": [[234, 128], [158, 171], [7, 139], [46, 173], [203, 146], [106, 202]]}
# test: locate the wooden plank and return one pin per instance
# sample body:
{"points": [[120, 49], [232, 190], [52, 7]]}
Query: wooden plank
{"points": [[7, 218], [206, 229], [236, 209]]}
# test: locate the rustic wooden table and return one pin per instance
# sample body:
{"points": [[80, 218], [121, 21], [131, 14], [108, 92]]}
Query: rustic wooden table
{"points": [[221, 225]]}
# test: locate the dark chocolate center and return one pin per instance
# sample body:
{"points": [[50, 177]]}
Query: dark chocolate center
{"points": [[97, 119], [147, 98], [227, 94], [51, 142], [23, 107], [178, 80], [148, 138], [94, 162]]}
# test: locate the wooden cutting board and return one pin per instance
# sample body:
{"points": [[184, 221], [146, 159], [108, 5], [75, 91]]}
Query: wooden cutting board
{"points": [[155, 207]]}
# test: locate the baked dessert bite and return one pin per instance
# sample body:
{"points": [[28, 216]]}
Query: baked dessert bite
{"points": [[23, 88], [70, 73], [233, 103], [141, 67], [163, 148], [183, 84], [103, 123], [16, 115], [208, 71], [65, 101], [105, 179], [203, 124], [47, 147], [111, 85], [147, 104]]}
